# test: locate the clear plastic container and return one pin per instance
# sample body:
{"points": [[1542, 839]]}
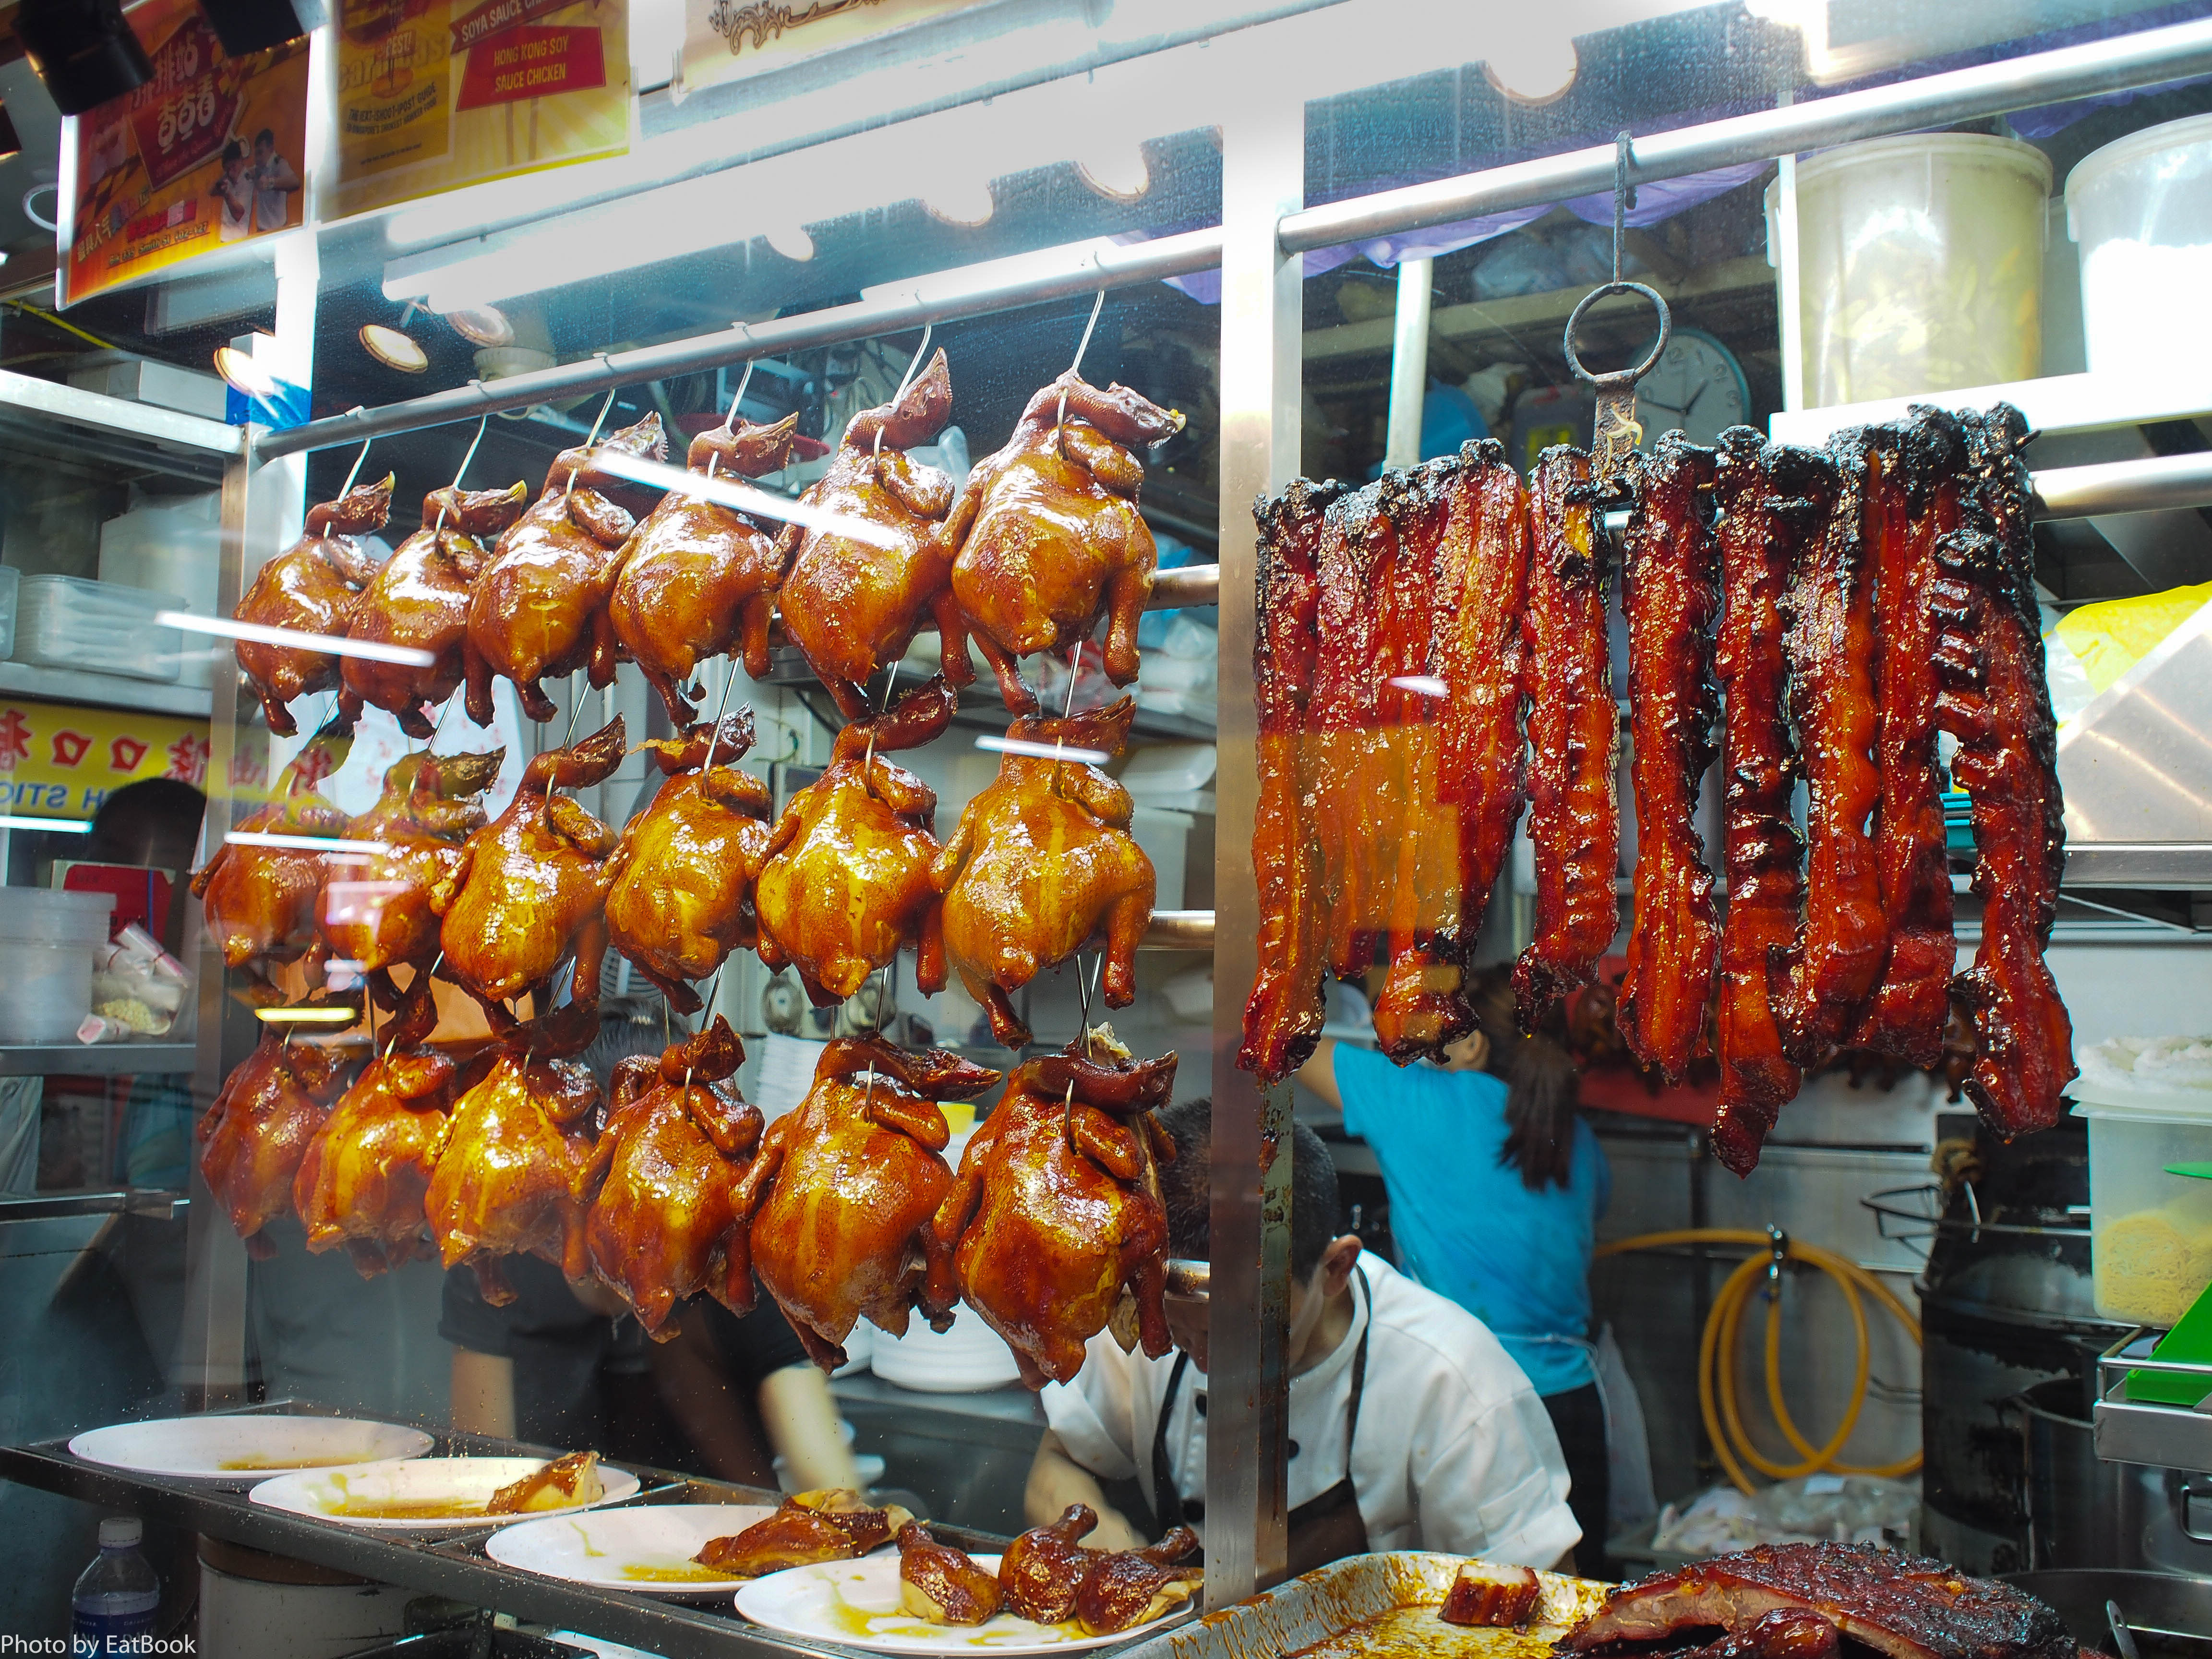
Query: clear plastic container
{"points": [[116, 1597], [48, 942], [65, 622], [10, 579], [2150, 1104], [1920, 265], [2140, 213]]}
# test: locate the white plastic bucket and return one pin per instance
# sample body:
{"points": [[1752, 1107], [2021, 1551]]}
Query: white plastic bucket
{"points": [[47, 939], [2140, 213]]}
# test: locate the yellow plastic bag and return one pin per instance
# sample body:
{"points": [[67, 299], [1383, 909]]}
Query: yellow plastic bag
{"points": [[2111, 636]]}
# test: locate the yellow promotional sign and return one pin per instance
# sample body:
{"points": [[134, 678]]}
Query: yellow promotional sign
{"points": [[58, 760], [435, 95], [206, 152]]}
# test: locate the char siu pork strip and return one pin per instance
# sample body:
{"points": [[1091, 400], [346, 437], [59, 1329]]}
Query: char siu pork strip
{"points": [[1989, 664], [1668, 591], [1772, 500], [1574, 731], [1913, 499], [1828, 642], [1903, 1606], [1283, 1017]]}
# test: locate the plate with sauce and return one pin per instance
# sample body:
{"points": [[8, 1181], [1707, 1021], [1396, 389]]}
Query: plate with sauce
{"points": [[429, 1494], [856, 1605], [245, 1447], [647, 1549]]}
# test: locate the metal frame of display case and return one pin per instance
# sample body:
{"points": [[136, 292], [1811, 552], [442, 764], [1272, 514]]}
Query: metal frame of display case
{"points": [[1265, 229]]}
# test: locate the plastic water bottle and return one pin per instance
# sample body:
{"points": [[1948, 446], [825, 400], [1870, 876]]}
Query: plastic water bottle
{"points": [[116, 1596]]}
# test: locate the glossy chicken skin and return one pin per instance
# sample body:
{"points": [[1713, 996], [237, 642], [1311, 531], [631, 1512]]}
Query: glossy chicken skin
{"points": [[665, 1224], [1056, 1221], [252, 1139], [844, 1188], [362, 1180], [1127, 1588], [310, 588], [696, 579], [259, 900], [852, 869], [1041, 860], [849, 605], [419, 600], [833, 1524], [541, 609], [1046, 538], [375, 907], [939, 1582], [530, 888], [682, 895], [1043, 1569], [515, 1171]]}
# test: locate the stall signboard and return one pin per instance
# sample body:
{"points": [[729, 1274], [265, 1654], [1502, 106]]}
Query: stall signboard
{"points": [[58, 760], [206, 154], [436, 94], [733, 40]]}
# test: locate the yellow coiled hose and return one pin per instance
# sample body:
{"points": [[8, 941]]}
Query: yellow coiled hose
{"points": [[1716, 1351]]}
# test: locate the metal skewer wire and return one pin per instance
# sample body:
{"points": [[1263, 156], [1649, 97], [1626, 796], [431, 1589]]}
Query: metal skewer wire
{"points": [[905, 381], [730, 420], [600, 420], [1060, 421], [347, 488], [461, 471]]}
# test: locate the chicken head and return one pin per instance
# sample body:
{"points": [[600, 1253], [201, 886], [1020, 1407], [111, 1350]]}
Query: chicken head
{"points": [[310, 588], [252, 1139]]}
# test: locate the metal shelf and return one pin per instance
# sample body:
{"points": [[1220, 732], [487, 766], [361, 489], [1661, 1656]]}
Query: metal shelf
{"points": [[2054, 402], [94, 1058], [81, 685], [2134, 1431], [161, 1204]]}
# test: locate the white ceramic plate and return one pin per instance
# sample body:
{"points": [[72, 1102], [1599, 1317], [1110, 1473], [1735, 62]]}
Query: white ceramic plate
{"points": [[247, 1447], [462, 1483], [647, 1549], [856, 1605]]}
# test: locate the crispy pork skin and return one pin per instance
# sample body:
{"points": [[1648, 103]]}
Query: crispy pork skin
{"points": [[1485, 1594]]}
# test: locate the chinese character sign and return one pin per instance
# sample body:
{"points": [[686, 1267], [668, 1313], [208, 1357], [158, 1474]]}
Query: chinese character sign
{"points": [[59, 762], [208, 152]]}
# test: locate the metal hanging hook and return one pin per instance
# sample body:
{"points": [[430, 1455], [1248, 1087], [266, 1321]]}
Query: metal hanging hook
{"points": [[905, 381], [1617, 432], [1059, 422], [347, 488], [730, 420], [599, 420], [461, 471]]}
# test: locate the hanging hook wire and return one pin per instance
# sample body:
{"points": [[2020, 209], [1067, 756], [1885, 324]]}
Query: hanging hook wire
{"points": [[461, 471], [599, 422], [1060, 421], [905, 381], [575, 708], [869, 759], [715, 732], [730, 420], [347, 488]]}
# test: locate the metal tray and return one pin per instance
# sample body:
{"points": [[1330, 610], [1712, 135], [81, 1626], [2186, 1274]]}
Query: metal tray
{"points": [[1370, 1605]]}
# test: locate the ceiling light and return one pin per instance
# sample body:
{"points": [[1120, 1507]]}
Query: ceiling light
{"points": [[1051, 752], [60, 826], [243, 372], [407, 656], [1118, 172], [1531, 68], [307, 1016], [746, 498], [792, 242], [393, 349], [965, 205], [83, 50], [481, 326], [304, 843]]}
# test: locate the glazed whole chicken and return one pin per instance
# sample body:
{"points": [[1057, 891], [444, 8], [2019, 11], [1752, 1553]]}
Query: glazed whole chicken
{"points": [[530, 891], [850, 605], [260, 900], [665, 1224], [1041, 860], [1046, 538], [419, 600], [1055, 1227], [680, 899], [852, 871], [310, 588], [541, 608], [252, 1139], [514, 1173], [841, 1194], [374, 910], [362, 1180], [697, 579]]}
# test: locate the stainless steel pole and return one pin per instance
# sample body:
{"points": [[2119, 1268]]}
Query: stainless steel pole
{"points": [[1248, 1391], [1409, 364]]}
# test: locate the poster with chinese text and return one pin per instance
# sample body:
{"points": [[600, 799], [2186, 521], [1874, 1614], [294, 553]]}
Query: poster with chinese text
{"points": [[733, 39]]}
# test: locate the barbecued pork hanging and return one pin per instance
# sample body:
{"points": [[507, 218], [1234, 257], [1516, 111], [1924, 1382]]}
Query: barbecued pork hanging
{"points": [[1046, 538], [312, 587]]}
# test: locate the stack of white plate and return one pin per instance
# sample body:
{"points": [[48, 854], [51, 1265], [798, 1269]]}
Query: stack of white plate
{"points": [[65, 622], [968, 1359]]}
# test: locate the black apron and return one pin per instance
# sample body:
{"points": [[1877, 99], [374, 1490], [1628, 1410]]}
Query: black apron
{"points": [[1323, 1529]]}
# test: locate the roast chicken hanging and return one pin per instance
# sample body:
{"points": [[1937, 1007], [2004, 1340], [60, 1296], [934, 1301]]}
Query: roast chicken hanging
{"points": [[1046, 538], [852, 605], [696, 579], [310, 588], [540, 609], [259, 898], [419, 600], [1056, 1226], [254, 1136], [1042, 859], [852, 870], [665, 1224], [681, 896], [844, 1187]]}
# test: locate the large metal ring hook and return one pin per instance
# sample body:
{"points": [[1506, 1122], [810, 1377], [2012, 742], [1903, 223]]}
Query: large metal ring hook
{"points": [[1617, 376]]}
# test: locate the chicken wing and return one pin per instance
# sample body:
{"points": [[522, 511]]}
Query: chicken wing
{"points": [[1133, 1587], [540, 609], [852, 869], [259, 900], [310, 588], [696, 579], [852, 606], [253, 1137], [1056, 1221], [1042, 859], [665, 1224], [680, 899], [1046, 538], [841, 1194], [939, 1583]]}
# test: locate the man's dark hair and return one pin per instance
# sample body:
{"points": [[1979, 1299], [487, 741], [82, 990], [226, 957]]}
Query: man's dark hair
{"points": [[264, 137], [1316, 1212], [156, 820]]}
